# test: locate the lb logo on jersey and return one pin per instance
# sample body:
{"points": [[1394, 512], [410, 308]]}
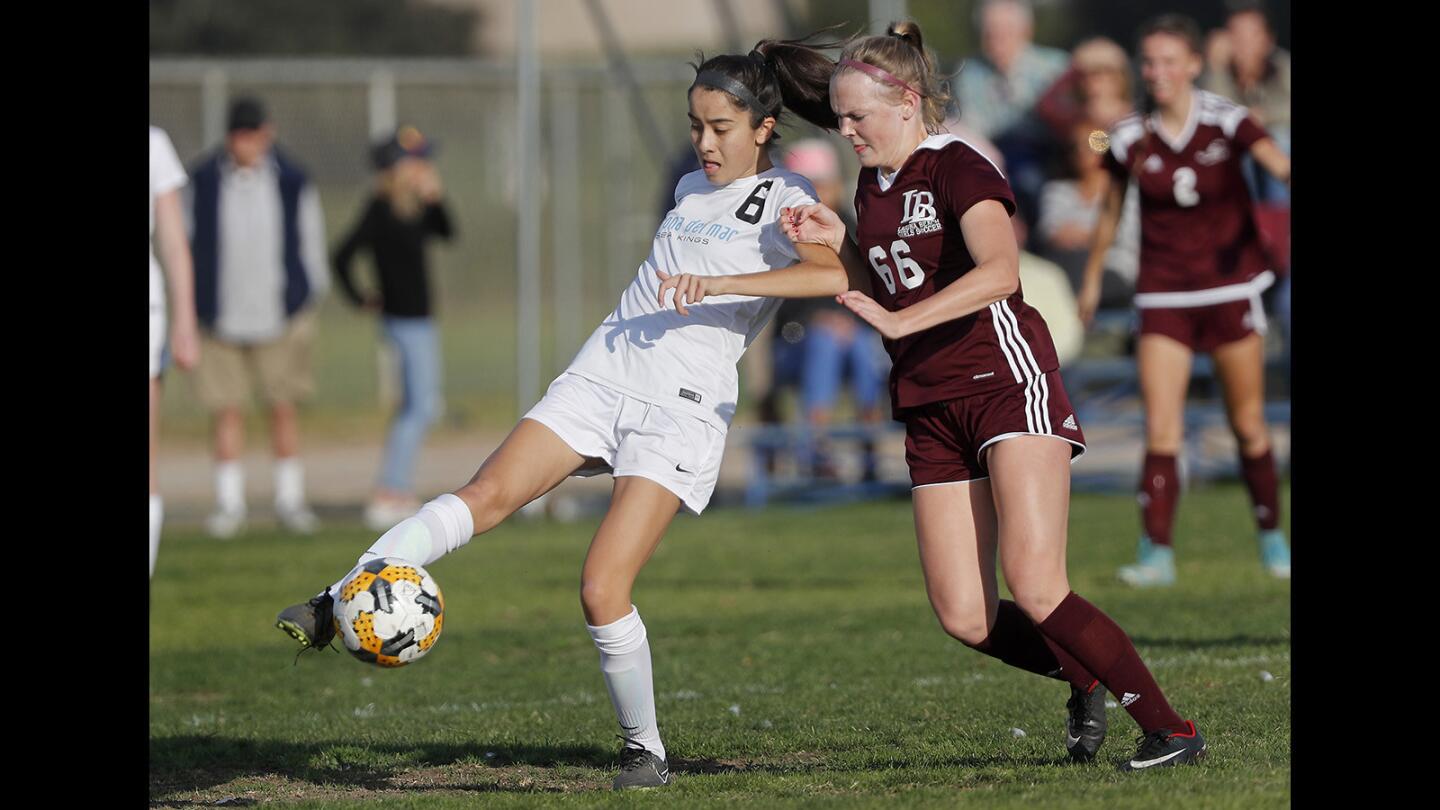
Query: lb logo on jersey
{"points": [[1153, 164], [1216, 152], [919, 218]]}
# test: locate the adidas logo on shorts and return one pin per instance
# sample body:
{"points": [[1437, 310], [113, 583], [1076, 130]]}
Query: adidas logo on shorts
{"points": [[1069, 423], [1130, 697]]}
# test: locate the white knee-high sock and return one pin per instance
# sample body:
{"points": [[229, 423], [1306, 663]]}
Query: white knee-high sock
{"points": [[440, 527], [157, 516], [625, 663], [289, 483]]}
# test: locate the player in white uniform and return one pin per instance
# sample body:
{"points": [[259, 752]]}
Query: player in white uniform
{"points": [[650, 395], [166, 178]]}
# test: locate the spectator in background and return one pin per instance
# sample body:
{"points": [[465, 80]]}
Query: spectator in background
{"points": [[1069, 209], [167, 221], [818, 341], [258, 240], [1244, 65], [1098, 89], [997, 92], [406, 210]]}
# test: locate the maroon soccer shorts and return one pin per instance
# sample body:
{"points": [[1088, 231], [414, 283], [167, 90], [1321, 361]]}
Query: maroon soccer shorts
{"points": [[945, 442], [1203, 329]]}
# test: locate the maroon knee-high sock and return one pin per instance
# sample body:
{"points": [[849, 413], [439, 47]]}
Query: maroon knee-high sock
{"points": [[1017, 641], [1264, 485], [1098, 642], [1159, 492]]}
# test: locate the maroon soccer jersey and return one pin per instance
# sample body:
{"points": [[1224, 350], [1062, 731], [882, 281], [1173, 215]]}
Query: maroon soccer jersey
{"points": [[1197, 226], [909, 232]]}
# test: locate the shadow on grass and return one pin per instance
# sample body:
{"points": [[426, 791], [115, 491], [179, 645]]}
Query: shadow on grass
{"points": [[198, 762], [1211, 643], [803, 763]]}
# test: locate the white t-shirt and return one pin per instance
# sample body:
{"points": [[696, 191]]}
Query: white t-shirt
{"points": [[166, 174], [688, 362]]}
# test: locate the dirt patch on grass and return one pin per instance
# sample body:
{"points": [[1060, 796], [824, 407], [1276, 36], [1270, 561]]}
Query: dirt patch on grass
{"points": [[233, 790]]}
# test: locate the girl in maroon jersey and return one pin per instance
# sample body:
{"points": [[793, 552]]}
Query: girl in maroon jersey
{"points": [[989, 432], [1202, 270]]}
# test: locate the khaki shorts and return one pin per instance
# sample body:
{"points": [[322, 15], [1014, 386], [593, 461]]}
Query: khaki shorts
{"points": [[281, 368]]}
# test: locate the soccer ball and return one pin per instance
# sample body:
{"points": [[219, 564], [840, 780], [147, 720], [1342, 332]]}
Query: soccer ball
{"points": [[389, 612]]}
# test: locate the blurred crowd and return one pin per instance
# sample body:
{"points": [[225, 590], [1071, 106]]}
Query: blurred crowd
{"points": [[1033, 110]]}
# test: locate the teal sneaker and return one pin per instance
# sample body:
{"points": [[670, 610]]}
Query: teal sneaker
{"points": [[1155, 567], [1275, 553]]}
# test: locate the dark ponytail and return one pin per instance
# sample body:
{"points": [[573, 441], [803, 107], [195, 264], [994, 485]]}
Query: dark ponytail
{"points": [[776, 74], [803, 73]]}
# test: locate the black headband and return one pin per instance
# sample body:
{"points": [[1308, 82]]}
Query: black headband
{"points": [[736, 88]]}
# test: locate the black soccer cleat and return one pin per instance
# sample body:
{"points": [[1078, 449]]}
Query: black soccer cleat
{"points": [[640, 768], [1085, 725], [1164, 749], [311, 623]]}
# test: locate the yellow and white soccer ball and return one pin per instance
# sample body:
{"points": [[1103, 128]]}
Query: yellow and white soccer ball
{"points": [[389, 612]]}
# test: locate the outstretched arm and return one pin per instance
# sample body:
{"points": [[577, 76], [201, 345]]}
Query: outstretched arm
{"points": [[818, 224], [818, 273]]}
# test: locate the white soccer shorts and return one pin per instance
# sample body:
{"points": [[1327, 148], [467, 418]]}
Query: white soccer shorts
{"points": [[634, 437]]}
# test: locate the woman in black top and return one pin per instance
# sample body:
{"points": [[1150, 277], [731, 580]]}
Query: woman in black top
{"points": [[406, 210]]}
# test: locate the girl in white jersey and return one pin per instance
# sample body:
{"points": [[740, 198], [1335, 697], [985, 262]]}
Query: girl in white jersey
{"points": [[650, 395]]}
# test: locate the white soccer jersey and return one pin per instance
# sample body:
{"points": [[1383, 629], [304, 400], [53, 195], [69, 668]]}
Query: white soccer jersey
{"points": [[688, 362], [166, 174]]}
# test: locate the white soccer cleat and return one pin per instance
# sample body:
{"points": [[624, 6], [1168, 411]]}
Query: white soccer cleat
{"points": [[298, 519]]}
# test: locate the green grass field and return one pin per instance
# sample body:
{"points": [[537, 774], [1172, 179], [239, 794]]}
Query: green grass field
{"points": [[797, 663]]}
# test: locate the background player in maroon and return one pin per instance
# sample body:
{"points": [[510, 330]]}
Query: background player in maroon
{"points": [[935, 270], [1202, 269]]}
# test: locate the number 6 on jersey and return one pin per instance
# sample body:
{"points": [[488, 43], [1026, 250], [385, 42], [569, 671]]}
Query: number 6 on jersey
{"points": [[911, 274]]}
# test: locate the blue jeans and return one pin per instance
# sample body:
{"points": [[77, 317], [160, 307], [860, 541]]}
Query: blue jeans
{"points": [[825, 362], [417, 345]]}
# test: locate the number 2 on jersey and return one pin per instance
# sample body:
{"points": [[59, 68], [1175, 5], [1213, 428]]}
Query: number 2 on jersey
{"points": [[1185, 193], [911, 274]]}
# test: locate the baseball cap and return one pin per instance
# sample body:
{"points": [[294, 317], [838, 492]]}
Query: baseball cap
{"points": [[246, 113]]}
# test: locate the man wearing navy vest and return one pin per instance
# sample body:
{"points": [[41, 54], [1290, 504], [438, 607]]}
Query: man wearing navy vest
{"points": [[258, 238]]}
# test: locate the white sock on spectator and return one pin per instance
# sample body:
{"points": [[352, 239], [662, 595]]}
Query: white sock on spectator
{"points": [[230, 486], [289, 484], [625, 663]]}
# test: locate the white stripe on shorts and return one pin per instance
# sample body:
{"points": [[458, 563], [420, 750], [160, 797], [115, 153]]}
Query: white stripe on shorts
{"points": [[995, 320]]}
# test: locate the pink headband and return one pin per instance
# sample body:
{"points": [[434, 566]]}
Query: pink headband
{"points": [[879, 74]]}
